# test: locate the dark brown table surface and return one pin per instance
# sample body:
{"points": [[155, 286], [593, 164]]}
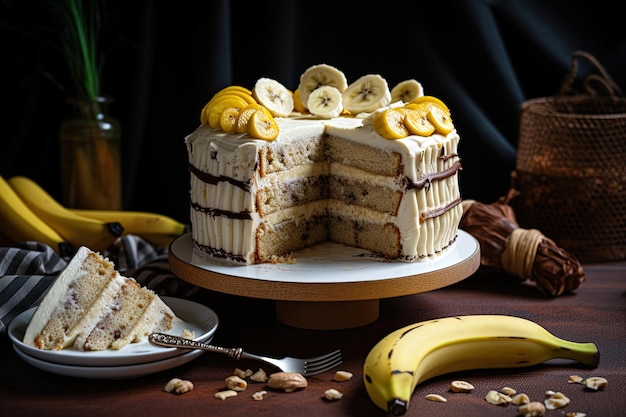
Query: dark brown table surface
{"points": [[594, 313]]}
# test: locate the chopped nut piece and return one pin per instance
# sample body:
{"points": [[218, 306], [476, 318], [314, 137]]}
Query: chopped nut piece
{"points": [[533, 409], [241, 373], [520, 399], [436, 397], [575, 414], [596, 383], [461, 386], [184, 387], [259, 376], [575, 379], [222, 395], [505, 397], [287, 381], [332, 394], [556, 400], [258, 396], [172, 384], [178, 386], [188, 334], [342, 376], [235, 383], [496, 398], [508, 391]]}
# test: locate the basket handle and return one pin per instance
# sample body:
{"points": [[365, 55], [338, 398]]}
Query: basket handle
{"points": [[604, 79]]}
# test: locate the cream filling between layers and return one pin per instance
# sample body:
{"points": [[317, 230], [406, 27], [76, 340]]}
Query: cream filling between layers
{"points": [[340, 170], [314, 169], [298, 214]]}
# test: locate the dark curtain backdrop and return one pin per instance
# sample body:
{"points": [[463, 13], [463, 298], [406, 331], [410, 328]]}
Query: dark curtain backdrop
{"points": [[163, 60]]}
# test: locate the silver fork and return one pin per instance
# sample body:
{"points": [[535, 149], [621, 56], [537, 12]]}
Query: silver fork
{"points": [[308, 366]]}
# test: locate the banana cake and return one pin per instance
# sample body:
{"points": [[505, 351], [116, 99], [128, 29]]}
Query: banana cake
{"points": [[299, 175]]}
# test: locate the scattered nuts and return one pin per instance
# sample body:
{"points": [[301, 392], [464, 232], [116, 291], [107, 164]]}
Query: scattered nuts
{"points": [[259, 376], [241, 373], [258, 396], [575, 379], [496, 398], [596, 383], [178, 386], [332, 394], [342, 376], [222, 395], [533, 409], [235, 383], [556, 400], [575, 414], [520, 399], [508, 391], [436, 397], [461, 386], [287, 381]]}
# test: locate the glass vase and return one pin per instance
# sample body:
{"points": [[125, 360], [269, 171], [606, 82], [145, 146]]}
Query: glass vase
{"points": [[90, 156]]}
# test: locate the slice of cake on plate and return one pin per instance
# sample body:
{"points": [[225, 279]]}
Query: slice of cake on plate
{"points": [[92, 307]]}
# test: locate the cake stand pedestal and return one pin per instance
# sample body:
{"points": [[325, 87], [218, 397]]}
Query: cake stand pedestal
{"points": [[331, 286]]}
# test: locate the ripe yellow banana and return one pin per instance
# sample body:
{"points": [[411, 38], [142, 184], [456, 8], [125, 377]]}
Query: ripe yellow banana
{"points": [[410, 355], [157, 229], [77, 230], [18, 223]]}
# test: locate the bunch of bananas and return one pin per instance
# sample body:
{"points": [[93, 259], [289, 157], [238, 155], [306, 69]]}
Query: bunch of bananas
{"points": [[420, 351], [29, 213]]}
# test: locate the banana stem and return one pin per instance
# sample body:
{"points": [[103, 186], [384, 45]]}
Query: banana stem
{"points": [[585, 353]]}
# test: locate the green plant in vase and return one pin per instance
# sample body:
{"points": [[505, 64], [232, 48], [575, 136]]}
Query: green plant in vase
{"points": [[90, 140]]}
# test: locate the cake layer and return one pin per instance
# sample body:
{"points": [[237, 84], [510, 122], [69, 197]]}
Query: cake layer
{"points": [[362, 188], [279, 239], [359, 152]]}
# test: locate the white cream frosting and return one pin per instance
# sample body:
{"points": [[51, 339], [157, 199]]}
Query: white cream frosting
{"points": [[237, 156]]}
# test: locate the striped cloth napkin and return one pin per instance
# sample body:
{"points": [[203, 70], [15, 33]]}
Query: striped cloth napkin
{"points": [[27, 272]]}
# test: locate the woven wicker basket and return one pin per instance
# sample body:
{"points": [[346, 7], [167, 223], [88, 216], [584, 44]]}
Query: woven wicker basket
{"points": [[571, 166]]}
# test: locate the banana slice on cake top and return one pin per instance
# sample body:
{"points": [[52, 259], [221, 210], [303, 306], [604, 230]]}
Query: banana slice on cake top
{"points": [[325, 102], [406, 91], [367, 94], [318, 76], [274, 96]]}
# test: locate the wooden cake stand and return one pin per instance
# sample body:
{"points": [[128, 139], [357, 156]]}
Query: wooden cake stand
{"points": [[331, 286]]}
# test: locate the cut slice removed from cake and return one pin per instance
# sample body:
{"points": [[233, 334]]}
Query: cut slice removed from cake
{"points": [[90, 306]]}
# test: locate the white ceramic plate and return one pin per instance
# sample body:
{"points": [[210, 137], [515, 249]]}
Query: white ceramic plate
{"points": [[329, 263], [109, 372], [196, 317]]}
